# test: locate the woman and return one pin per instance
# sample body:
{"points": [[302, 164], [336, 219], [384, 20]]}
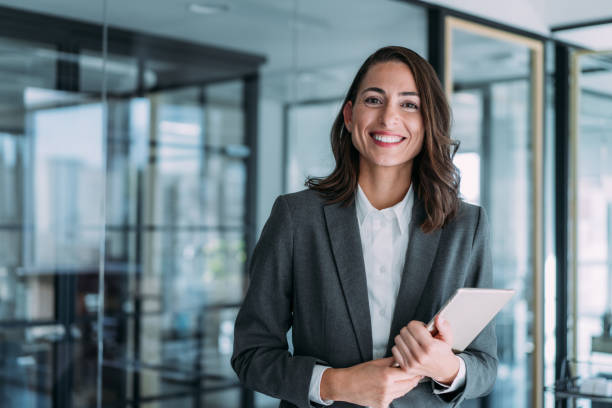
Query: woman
{"points": [[356, 263]]}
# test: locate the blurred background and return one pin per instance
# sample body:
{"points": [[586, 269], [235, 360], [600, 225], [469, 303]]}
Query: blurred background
{"points": [[143, 142]]}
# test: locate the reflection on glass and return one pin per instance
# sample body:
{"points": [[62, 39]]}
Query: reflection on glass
{"points": [[51, 188], [310, 126], [175, 226], [121, 73], [491, 110], [468, 130], [176, 243], [26, 361], [593, 318], [68, 184]]}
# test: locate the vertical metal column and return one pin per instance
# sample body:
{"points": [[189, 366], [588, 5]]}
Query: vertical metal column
{"points": [[137, 286], [436, 41], [67, 79], [486, 143], [63, 370], [561, 192], [198, 367], [485, 172], [250, 101]]}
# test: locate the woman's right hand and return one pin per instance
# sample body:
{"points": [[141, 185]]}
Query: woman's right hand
{"points": [[374, 383]]}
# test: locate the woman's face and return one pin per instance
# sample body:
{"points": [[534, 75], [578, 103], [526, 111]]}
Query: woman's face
{"points": [[385, 121]]}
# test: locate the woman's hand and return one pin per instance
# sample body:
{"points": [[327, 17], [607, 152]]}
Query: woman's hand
{"points": [[374, 383], [420, 354]]}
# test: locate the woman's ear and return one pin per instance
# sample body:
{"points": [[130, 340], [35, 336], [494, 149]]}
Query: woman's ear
{"points": [[347, 112]]}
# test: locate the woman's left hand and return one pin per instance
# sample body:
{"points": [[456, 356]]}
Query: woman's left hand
{"points": [[421, 354]]}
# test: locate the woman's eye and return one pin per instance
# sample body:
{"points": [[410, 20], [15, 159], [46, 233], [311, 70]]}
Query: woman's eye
{"points": [[372, 100], [409, 105]]}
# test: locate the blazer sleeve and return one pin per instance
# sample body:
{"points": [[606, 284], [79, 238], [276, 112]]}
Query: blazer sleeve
{"points": [[261, 357], [481, 355]]}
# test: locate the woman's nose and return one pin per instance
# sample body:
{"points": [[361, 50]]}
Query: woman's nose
{"points": [[388, 115]]}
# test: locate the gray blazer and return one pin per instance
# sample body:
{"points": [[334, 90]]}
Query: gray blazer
{"points": [[307, 273]]}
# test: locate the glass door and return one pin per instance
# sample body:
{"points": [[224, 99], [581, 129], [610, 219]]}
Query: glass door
{"points": [[494, 81], [591, 214], [51, 226], [125, 216], [176, 246]]}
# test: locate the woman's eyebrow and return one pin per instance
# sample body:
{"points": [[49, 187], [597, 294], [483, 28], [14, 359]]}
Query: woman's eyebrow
{"points": [[381, 91]]}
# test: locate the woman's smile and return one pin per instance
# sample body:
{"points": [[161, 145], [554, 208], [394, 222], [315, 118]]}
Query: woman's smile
{"points": [[386, 139]]}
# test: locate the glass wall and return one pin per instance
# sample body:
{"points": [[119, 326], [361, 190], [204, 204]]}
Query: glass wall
{"points": [[132, 193], [495, 80], [52, 183], [126, 214], [176, 239], [591, 179], [136, 173]]}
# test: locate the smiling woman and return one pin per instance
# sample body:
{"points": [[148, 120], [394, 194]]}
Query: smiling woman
{"points": [[355, 264], [386, 116], [386, 128], [396, 91]]}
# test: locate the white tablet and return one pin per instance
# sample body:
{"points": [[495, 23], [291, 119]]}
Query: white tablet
{"points": [[469, 310]]}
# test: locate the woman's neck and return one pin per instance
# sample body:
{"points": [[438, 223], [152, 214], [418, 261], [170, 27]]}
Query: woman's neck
{"points": [[385, 186]]}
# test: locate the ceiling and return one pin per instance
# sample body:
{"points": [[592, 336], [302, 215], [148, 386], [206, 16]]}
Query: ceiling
{"points": [[171, 17], [312, 48], [321, 29], [537, 16], [306, 35], [309, 45]]}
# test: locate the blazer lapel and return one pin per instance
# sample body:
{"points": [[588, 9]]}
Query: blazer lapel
{"points": [[420, 254], [346, 246]]}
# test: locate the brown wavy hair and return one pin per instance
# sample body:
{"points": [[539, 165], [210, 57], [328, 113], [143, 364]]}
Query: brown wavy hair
{"points": [[434, 176]]}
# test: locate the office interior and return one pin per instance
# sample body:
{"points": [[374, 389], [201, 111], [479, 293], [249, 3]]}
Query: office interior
{"points": [[142, 144]]}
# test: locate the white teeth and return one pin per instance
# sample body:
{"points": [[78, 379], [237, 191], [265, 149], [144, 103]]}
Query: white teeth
{"points": [[388, 139]]}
